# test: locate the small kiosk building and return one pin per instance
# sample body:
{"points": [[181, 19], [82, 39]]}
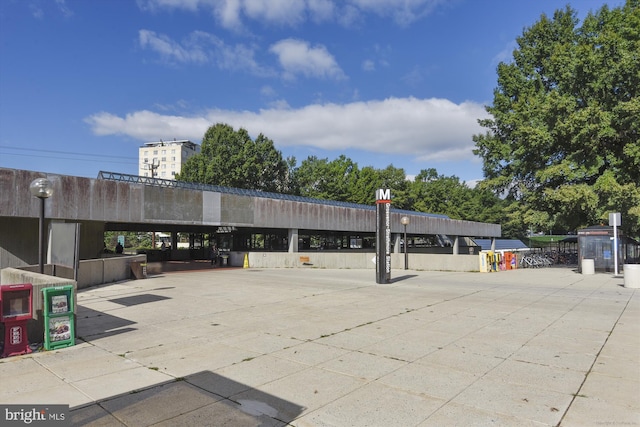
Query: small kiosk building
{"points": [[596, 243]]}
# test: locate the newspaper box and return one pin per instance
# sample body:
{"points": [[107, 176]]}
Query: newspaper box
{"points": [[15, 311], [59, 309]]}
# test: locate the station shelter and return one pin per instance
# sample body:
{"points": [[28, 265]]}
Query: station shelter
{"points": [[596, 242]]}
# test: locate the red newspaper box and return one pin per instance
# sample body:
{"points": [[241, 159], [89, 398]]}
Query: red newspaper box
{"points": [[15, 311]]}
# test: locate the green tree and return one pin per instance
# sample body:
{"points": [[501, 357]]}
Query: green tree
{"points": [[437, 194], [341, 180], [231, 158], [395, 179], [324, 179], [564, 133], [364, 189]]}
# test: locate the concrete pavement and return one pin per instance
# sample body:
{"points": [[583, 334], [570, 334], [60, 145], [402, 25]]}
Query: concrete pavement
{"points": [[313, 347]]}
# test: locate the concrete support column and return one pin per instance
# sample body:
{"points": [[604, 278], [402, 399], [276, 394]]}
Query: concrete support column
{"points": [[174, 240], [493, 244], [397, 243], [456, 248], [293, 240]]}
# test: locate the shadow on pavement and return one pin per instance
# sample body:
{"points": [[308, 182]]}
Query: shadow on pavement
{"points": [[201, 399], [401, 278], [92, 322], [138, 299]]}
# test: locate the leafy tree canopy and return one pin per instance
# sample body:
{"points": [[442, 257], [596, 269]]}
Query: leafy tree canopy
{"points": [[231, 158], [564, 136], [447, 195]]}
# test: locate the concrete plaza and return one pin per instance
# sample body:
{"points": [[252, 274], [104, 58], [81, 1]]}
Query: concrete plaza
{"points": [[315, 347]]}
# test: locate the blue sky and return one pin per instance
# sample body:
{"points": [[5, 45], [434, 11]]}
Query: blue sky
{"points": [[84, 83]]}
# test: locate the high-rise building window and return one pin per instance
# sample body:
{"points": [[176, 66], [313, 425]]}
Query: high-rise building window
{"points": [[154, 154]]}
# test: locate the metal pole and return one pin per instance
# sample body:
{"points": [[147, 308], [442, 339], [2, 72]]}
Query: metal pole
{"points": [[615, 249], [41, 188], [41, 237], [406, 255]]}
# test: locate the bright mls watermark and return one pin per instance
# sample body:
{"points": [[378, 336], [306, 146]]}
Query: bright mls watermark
{"points": [[35, 415]]}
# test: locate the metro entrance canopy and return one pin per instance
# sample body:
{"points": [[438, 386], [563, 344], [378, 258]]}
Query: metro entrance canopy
{"points": [[116, 201]]}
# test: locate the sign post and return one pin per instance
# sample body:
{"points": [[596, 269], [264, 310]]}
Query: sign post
{"points": [[383, 236], [615, 219]]}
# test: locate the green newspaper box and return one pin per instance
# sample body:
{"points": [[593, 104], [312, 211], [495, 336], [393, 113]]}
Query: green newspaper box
{"points": [[59, 309]]}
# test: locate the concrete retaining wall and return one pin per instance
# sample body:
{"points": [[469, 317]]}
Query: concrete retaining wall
{"points": [[106, 270], [355, 260], [93, 272]]}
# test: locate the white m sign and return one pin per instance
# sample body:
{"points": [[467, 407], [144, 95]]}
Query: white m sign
{"points": [[383, 194]]}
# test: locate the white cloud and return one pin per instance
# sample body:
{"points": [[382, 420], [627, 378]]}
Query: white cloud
{"points": [[148, 126], [506, 54], [191, 5], [200, 47], [231, 14], [297, 57], [39, 13], [403, 12], [62, 6], [36, 11], [268, 91], [321, 10], [427, 129], [290, 12], [172, 50]]}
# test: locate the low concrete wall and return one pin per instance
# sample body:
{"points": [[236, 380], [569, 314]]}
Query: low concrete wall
{"points": [[355, 260], [92, 272], [106, 270], [35, 327]]}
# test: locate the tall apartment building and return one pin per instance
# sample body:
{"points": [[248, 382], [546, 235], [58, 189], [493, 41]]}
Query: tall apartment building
{"points": [[164, 159]]}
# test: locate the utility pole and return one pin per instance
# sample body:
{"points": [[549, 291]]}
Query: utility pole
{"points": [[153, 167]]}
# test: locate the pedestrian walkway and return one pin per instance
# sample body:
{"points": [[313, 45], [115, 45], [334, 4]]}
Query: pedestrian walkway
{"points": [[313, 347]]}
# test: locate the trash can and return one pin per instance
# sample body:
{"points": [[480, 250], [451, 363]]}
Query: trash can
{"points": [[632, 276], [225, 260], [138, 270], [588, 266]]}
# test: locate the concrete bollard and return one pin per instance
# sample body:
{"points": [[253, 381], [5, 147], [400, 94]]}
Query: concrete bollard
{"points": [[588, 266], [632, 276]]}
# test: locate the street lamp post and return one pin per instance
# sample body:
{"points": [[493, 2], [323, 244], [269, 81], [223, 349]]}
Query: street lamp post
{"points": [[42, 189], [405, 221]]}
